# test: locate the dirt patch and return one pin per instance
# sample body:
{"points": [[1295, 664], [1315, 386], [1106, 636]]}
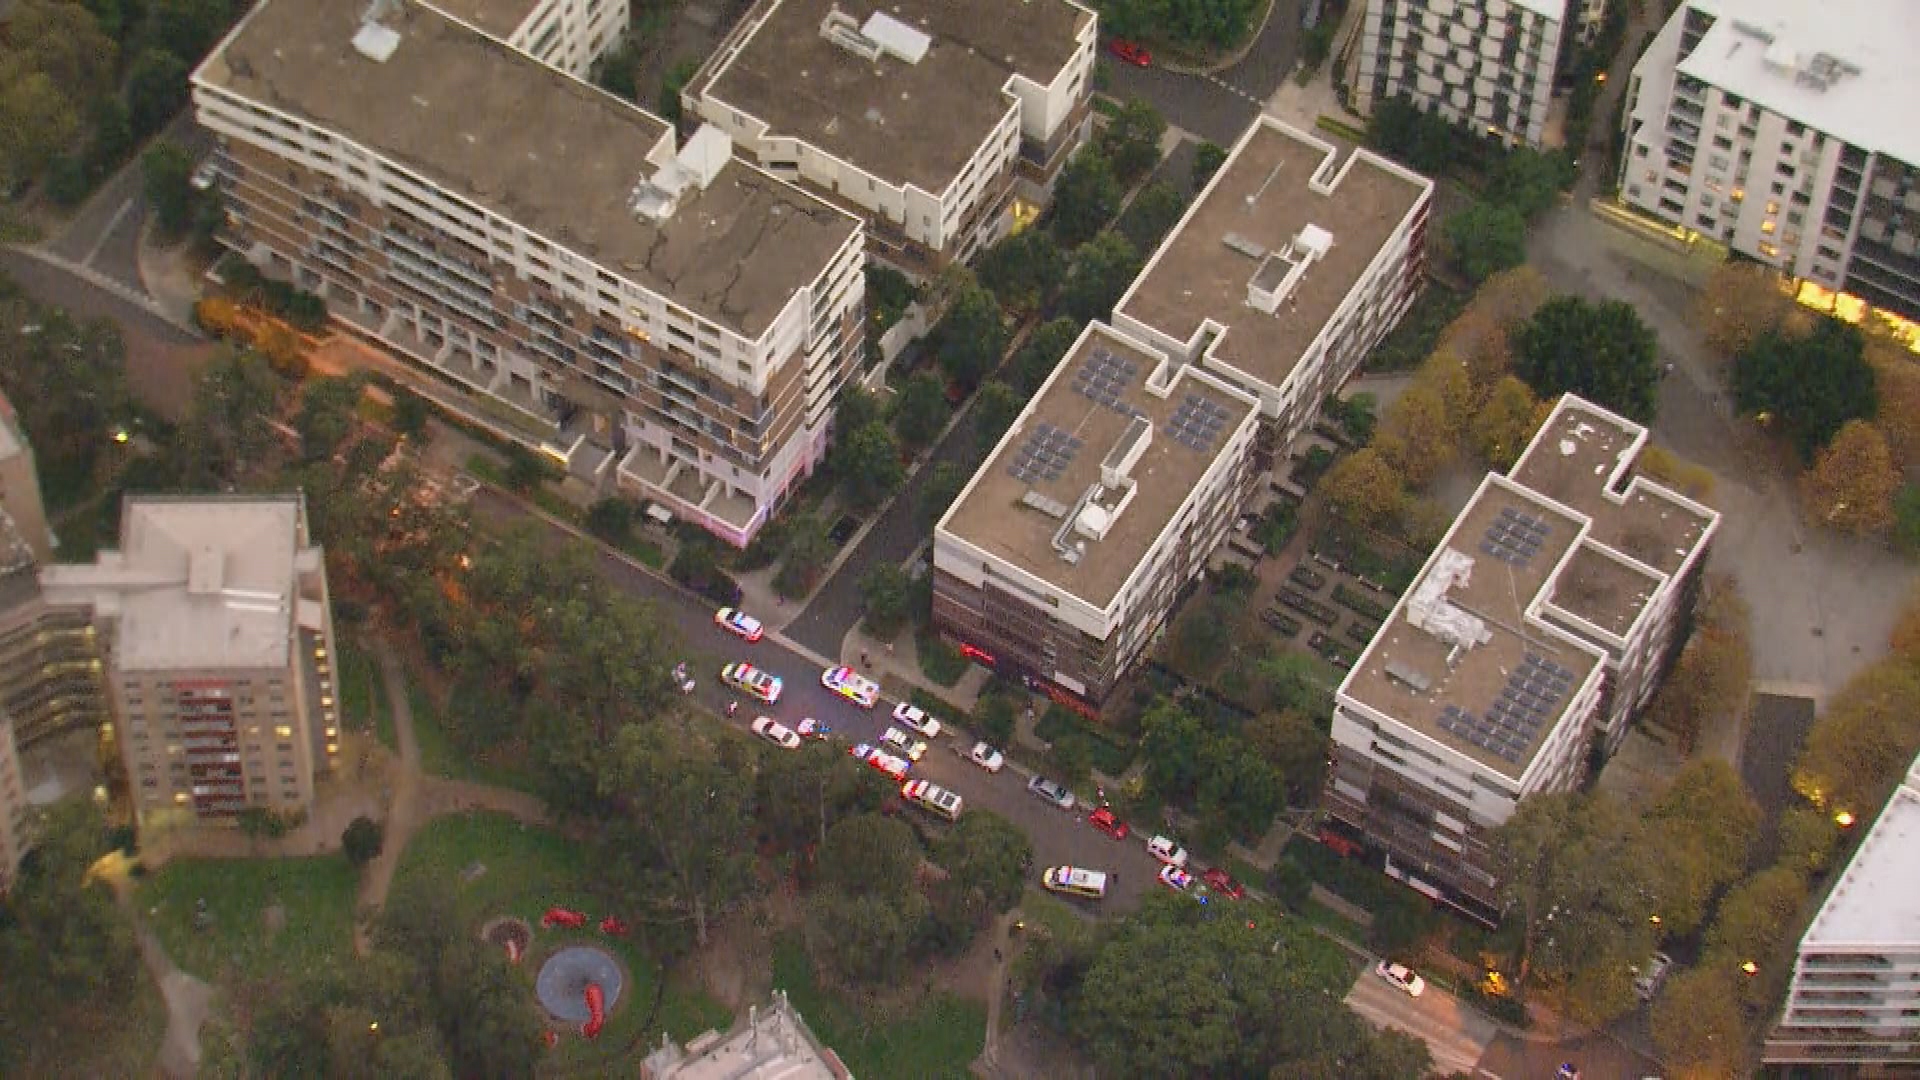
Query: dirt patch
{"points": [[161, 374]]}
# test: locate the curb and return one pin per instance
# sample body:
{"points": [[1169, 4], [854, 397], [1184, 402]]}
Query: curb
{"points": [[1233, 59], [120, 289]]}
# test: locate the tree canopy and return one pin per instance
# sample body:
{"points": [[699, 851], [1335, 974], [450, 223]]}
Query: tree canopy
{"points": [[1101, 271], [869, 465], [1808, 385], [1131, 140], [1486, 238], [1023, 270], [1085, 198], [922, 410], [970, 338], [1852, 483], [1602, 352]]}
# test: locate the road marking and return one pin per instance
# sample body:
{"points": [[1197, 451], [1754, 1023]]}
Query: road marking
{"points": [[112, 224], [1231, 89]]}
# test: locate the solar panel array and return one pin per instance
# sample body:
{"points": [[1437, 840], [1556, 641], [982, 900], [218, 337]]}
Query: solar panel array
{"points": [[1104, 376], [1514, 537], [1196, 423], [1045, 454], [1530, 699]]}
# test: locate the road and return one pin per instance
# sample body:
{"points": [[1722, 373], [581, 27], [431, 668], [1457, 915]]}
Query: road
{"points": [[1217, 107], [1059, 837], [105, 235], [1458, 1036]]}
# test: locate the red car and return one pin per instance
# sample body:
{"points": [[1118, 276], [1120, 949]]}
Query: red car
{"points": [[1133, 54], [1104, 820], [1222, 883]]}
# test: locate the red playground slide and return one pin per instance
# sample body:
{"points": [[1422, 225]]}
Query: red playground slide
{"points": [[614, 926], [559, 916], [596, 1012]]}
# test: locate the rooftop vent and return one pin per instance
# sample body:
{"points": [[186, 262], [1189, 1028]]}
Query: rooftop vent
{"points": [[376, 42], [695, 166], [1279, 273], [896, 38], [841, 29], [1429, 610]]}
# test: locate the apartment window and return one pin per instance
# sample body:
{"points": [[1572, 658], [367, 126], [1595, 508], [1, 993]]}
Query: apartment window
{"points": [[1772, 207], [1796, 129]]}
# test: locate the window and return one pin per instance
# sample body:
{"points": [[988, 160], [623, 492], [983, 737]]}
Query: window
{"points": [[284, 731]]}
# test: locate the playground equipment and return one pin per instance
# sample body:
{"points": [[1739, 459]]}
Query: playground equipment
{"points": [[596, 1012], [613, 926], [559, 916], [578, 986], [513, 951]]}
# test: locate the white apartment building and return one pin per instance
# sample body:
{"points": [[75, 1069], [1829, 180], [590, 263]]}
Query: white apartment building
{"points": [[1776, 128], [663, 315], [1071, 545], [1542, 622], [219, 652], [941, 123], [566, 34], [1486, 64], [1855, 996]]}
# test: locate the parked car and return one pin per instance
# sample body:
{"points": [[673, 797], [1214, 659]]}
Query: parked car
{"points": [[1130, 52], [737, 622], [776, 733], [1051, 791], [1164, 849], [882, 761], [751, 680], [904, 744], [1108, 822], [1223, 884], [915, 718], [1175, 878], [1401, 976], [851, 685], [809, 728], [987, 757]]}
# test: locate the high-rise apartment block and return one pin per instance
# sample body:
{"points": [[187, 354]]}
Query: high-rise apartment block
{"points": [[218, 637], [1775, 127], [1855, 996], [566, 34], [941, 123], [1544, 621], [669, 317], [1486, 64], [1065, 553]]}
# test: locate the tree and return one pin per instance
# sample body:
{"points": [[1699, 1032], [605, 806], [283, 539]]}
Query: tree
{"points": [[886, 594], [1294, 746], [63, 42], [156, 90], [1423, 140], [68, 380], [1853, 481], [1202, 640], [327, 414], [524, 472], [1754, 920], [676, 80], [970, 338], [1529, 181], [228, 426], [922, 410], [1131, 141], [1701, 828], [1742, 302], [1904, 639], [1602, 352], [410, 414], [1102, 269], [994, 411], [856, 408], [1023, 270], [1896, 385], [1045, 348], [1239, 792], [362, 841], [36, 122], [112, 137], [860, 937], [188, 28], [869, 466], [1697, 1024], [994, 719], [618, 73], [1292, 682], [809, 550], [1807, 386], [1085, 198], [1856, 751], [986, 858], [1505, 424], [1152, 214], [1709, 678], [1486, 238], [1688, 478], [799, 796], [1207, 159], [1419, 436], [1365, 488], [1170, 742], [168, 174], [945, 479]]}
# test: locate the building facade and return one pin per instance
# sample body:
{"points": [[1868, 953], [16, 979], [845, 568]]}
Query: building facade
{"points": [[666, 317], [20, 486], [1855, 995], [1264, 298], [218, 640], [942, 124], [565, 34], [14, 809], [773, 1043], [1773, 127], [1539, 627], [1488, 65]]}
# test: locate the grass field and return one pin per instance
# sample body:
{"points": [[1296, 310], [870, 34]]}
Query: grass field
{"points": [[940, 1038], [317, 894], [363, 698], [440, 757]]}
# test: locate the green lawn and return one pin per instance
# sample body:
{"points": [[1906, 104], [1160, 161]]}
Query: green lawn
{"points": [[527, 871], [440, 757], [363, 698], [940, 1038], [317, 894]]}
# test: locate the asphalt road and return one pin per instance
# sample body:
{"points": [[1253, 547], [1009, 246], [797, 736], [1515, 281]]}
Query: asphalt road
{"points": [[105, 235], [1217, 107], [1058, 836], [1456, 1035]]}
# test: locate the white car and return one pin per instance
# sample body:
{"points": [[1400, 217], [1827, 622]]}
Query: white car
{"points": [[987, 757], [916, 718], [1167, 851], [776, 733], [1051, 791], [911, 748], [851, 685], [1175, 878], [735, 621], [751, 680], [1401, 976]]}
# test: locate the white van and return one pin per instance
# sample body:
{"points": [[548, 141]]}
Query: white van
{"points": [[1091, 884], [933, 798]]}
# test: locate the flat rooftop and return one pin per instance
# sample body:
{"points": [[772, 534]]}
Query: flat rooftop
{"points": [[536, 147], [498, 18], [1834, 66], [197, 583], [1876, 902], [1068, 422], [906, 123], [1276, 183], [773, 1044], [1474, 688]]}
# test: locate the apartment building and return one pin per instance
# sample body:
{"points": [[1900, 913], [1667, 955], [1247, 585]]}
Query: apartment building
{"points": [[20, 485], [1542, 623], [1070, 546], [14, 832], [1774, 127], [218, 638], [773, 1043], [942, 124], [670, 319], [1855, 996], [1486, 64], [566, 34]]}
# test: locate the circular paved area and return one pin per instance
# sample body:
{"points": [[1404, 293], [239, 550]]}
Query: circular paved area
{"points": [[562, 984]]}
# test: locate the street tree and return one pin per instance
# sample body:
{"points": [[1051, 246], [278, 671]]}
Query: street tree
{"points": [[1505, 424], [808, 551], [945, 479], [1853, 481], [1418, 435], [327, 414], [993, 718], [156, 90], [1131, 141], [1602, 352], [869, 466], [922, 410], [1697, 1023], [1806, 386], [886, 596], [1151, 215], [1101, 271], [1170, 743], [1365, 488], [1486, 238], [1207, 159], [987, 859], [1023, 270], [1044, 349], [167, 177], [1742, 302], [1294, 746], [362, 841], [856, 408], [1857, 749], [1085, 198], [995, 409], [1709, 678], [971, 337]]}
